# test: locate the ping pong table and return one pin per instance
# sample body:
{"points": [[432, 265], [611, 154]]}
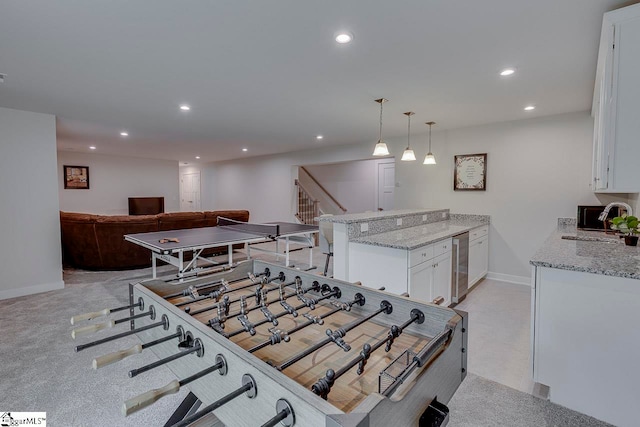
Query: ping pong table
{"points": [[170, 246]]}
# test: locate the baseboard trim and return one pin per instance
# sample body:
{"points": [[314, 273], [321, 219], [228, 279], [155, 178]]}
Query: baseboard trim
{"points": [[509, 278], [30, 290]]}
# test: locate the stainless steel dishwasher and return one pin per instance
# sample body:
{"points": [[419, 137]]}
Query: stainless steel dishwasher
{"points": [[459, 267]]}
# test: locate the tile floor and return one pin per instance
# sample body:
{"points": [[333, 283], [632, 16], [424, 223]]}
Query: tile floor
{"points": [[499, 333]]}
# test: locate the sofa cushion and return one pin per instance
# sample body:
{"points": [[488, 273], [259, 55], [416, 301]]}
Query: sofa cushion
{"points": [[181, 220], [117, 253], [79, 243]]}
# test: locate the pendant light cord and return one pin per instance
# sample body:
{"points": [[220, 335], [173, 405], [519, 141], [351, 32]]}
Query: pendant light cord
{"points": [[429, 138], [409, 133], [380, 136]]}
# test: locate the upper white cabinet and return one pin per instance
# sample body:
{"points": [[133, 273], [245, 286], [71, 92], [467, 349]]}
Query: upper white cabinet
{"points": [[616, 104]]}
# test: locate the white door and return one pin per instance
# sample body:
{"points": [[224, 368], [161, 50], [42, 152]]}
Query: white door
{"points": [[190, 192], [386, 185]]}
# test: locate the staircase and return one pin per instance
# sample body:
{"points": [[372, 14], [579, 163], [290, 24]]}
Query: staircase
{"points": [[313, 199]]}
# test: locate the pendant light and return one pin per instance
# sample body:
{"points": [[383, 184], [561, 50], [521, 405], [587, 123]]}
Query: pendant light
{"points": [[408, 155], [381, 147], [429, 159]]}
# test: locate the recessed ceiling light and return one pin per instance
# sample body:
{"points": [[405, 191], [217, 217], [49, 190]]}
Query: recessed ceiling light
{"points": [[343, 37], [92, 148], [197, 157], [124, 133], [319, 137], [529, 108], [185, 107], [507, 72], [245, 149]]}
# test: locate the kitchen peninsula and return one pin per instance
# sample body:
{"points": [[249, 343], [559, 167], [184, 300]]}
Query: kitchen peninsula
{"points": [[407, 251], [585, 340]]}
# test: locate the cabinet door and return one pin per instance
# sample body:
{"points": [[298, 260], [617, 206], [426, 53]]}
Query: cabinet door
{"points": [[483, 258], [442, 279], [475, 264], [421, 281]]}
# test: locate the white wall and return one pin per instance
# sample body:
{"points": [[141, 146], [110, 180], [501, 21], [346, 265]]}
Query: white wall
{"points": [[30, 226], [113, 179], [354, 184], [265, 185], [538, 170]]}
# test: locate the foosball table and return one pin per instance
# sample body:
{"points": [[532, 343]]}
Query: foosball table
{"points": [[261, 344]]}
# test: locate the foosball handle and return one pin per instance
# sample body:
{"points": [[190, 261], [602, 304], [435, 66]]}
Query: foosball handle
{"points": [[110, 358], [89, 316], [85, 330], [145, 399]]}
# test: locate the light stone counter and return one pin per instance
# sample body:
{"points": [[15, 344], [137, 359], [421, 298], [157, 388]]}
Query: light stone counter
{"points": [[599, 253], [415, 237]]}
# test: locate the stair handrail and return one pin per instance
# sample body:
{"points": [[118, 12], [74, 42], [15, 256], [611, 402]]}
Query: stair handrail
{"points": [[323, 189]]}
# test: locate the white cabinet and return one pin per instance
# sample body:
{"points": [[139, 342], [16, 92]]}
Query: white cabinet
{"points": [[421, 281], [431, 279], [616, 103], [586, 342], [424, 273], [478, 254]]}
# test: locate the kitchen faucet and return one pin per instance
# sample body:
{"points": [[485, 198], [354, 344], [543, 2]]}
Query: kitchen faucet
{"points": [[605, 213]]}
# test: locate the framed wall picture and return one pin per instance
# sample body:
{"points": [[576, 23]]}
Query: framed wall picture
{"points": [[76, 177], [470, 172]]}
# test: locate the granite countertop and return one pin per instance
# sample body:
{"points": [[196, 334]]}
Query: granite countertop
{"points": [[415, 237], [371, 216], [595, 252]]}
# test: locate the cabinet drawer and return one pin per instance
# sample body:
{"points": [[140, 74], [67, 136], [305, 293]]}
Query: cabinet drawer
{"points": [[420, 255], [442, 247], [478, 232]]}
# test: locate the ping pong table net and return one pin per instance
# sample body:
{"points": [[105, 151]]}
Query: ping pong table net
{"points": [[271, 231]]}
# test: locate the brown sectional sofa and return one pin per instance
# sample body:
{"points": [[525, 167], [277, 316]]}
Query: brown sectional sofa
{"points": [[96, 242]]}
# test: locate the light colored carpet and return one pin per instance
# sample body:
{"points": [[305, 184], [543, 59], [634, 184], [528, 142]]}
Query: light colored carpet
{"points": [[39, 370]]}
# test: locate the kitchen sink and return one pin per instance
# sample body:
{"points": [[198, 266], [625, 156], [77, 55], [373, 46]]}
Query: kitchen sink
{"points": [[590, 239]]}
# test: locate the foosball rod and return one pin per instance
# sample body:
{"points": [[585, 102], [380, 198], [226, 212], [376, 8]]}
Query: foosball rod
{"points": [[336, 337], [110, 358], [314, 287], [248, 386], [323, 386], [284, 415], [333, 293], [189, 291], [164, 323], [145, 399], [282, 336], [216, 294], [243, 310], [106, 312], [197, 348], [89, 329]]}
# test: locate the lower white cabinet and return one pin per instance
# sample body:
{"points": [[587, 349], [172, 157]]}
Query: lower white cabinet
{"points": [[424, 272], [432, 279], [478, 256]]}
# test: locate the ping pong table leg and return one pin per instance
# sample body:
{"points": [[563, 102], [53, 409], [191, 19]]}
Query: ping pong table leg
{"points": [[286, 258], [181, 264], [153, 265], [310, 236], [230, 253]]}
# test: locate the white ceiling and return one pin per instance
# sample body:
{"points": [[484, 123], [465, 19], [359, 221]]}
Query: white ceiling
{"points": [[268, 75]]}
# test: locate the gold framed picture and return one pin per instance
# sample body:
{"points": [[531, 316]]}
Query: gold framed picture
{"points": [[76, 177], [470, 172]]}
